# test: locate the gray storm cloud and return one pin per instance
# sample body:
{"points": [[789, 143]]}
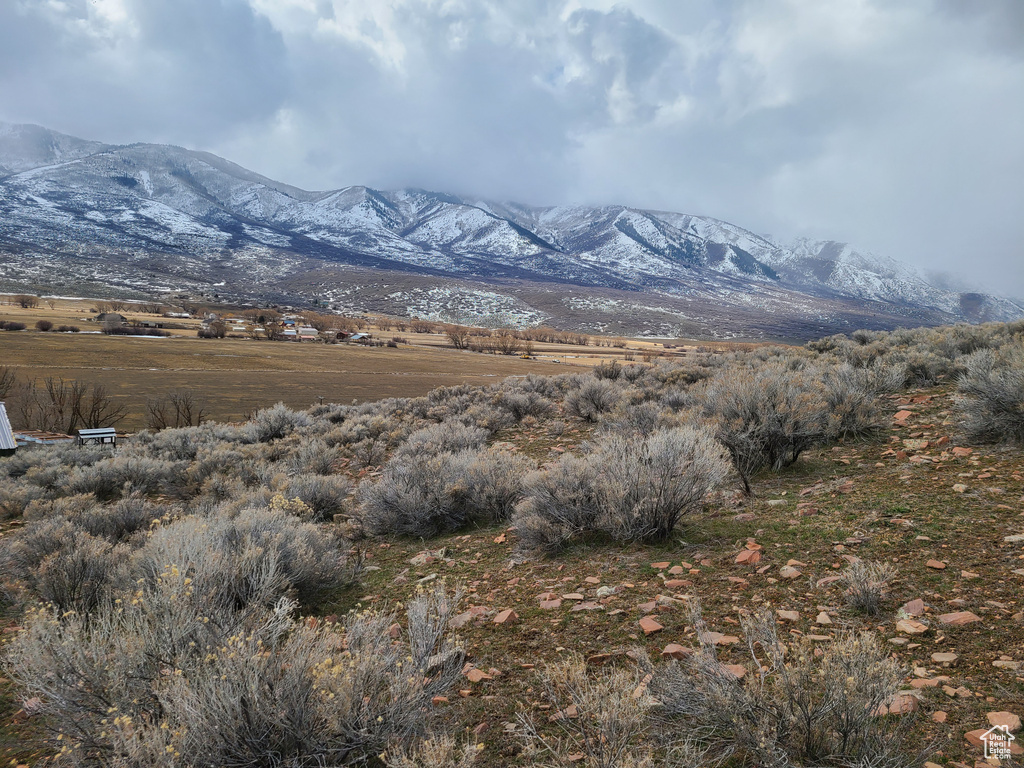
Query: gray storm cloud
{"points": [[891, 124]]}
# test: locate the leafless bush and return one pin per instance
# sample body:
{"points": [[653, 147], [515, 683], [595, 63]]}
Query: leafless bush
{"points": [[59, 405], [591, 399], [990, 396], [628, 488], [8, 379], [603, 716], [274, 423], [426, 494], [802, 709], [866, 584], [181, 408], [44, 325], [159, 681]]}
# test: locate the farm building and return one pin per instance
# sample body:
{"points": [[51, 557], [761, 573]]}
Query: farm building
{"points": [[111, 318], [8, 445]]}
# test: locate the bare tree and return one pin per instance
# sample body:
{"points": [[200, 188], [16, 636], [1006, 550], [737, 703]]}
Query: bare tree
{"points": [[506, 342], [60, 405], [458, 336], [98, 409], [181, 408], [8, 381], [26, 301]]}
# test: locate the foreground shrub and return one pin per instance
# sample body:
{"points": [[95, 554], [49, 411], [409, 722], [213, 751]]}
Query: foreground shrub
{"points": [[324, 495], [603, 716], [802, 709], [765, 417], [251, 559], [159, 681], [591, 399], [274, 423], [630, 488], [428, 494], [990, 396], [866, 585]]}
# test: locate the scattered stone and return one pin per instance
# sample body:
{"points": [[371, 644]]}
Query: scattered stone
{"points": [[717, 638], [824, 582], [959, 618], [790, 616], [823, 618], [969, 575], [959, 488], [1007, 719], [776, 502], [944, 658], [1016, 539], [550, 605], [789, 572], [660, 566], [569, 713], [902, 415], [748, 557], [587, 606], [650, 626], [475, 675], [914, 607], [506, 617], [939, 716], [957, 451], [592, 580], [738, 670], [677, 583], [573, 596], [903, 704], [605, 591], [911, 627], [458, 622], [1011, 665], [974, 739], [675, 651], [936, 564]]}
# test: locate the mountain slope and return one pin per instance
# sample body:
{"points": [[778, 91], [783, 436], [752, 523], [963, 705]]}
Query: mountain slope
{"points": [[157, 217]]}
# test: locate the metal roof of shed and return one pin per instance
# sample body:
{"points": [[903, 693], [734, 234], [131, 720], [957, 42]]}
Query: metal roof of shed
{"points": [[7, 442]]}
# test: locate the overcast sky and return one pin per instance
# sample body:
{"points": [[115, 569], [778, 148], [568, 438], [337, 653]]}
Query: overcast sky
{"points": [[896, 125]]}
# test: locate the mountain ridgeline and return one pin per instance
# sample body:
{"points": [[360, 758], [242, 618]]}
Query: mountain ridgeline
{"points": [[80, 216]]}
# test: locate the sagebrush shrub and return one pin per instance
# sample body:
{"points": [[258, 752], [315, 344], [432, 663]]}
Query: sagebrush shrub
{"points": [[630, 488], [990, 396], [325, 495], [603, 717], [427, 494], [252, 558], [275, 423], [803, 708], [765, 417], [591, 399], [866, 584], [157, 680]]}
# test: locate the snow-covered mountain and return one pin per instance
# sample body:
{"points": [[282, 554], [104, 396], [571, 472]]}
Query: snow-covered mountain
{"points": [[155, 217]]}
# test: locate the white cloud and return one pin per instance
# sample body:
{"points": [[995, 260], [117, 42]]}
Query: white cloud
{"points": [[890, 124]]}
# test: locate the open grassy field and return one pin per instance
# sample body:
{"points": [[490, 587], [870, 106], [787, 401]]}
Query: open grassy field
{"points": [[237, 376]]}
